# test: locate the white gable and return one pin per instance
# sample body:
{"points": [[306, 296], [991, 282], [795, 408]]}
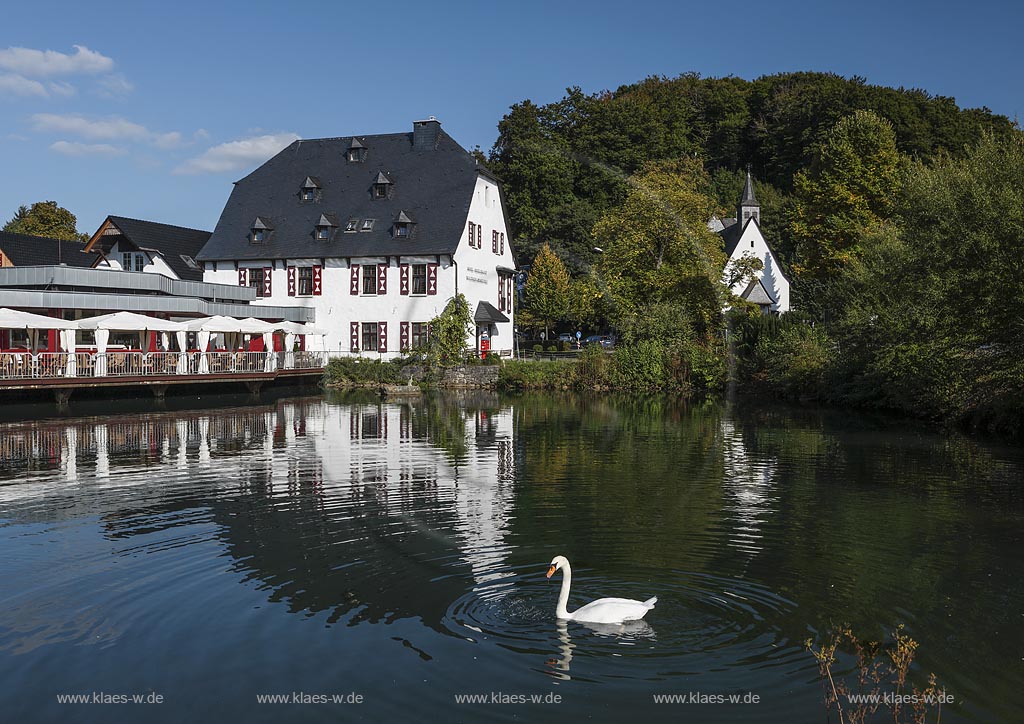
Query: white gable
{"points": [[752, 243]]}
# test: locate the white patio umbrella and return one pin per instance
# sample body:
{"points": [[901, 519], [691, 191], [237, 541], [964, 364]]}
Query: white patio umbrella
{"points": [[215, 324], [267, 329], [125, 322], [33, 323], [291, 329], [13, 319]]}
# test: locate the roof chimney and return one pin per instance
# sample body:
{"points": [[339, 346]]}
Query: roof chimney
{"points": [[425, 134]]}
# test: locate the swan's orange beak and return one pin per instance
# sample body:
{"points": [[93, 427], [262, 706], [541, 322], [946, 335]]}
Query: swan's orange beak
{"points": [[551, 572]]}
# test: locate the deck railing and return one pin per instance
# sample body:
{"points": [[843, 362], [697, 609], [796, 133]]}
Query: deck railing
{"points": [[52, 365]]}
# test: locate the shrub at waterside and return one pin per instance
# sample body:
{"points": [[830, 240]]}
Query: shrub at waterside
{"points": [[359, 371]]}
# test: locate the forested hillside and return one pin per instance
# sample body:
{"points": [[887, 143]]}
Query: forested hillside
{"points": [[897, 216], [566, 163]]}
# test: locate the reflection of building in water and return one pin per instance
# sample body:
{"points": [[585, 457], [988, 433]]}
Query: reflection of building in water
{"points": [[334, 507], [750, 485], [469, 467]]}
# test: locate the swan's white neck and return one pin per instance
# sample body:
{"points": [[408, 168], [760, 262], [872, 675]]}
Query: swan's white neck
{"points": [[563, 596]]}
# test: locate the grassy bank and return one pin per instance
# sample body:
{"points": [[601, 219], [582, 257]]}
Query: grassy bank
{"points": [[643, 366]]}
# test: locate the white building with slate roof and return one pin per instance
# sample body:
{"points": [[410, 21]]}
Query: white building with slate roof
{"points": [[377, 234], [742, 237]]}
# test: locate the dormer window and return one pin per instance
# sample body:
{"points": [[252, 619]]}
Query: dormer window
{"points": [[381, 186], [310, 189], [356, 151], [367, 225], [325, 228], [402, 226], [260, 230], [352, 225]]}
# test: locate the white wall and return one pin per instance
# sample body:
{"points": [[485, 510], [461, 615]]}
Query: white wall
{"points": [[154, 262], [478, 275], [752, 243], [336, 307]]}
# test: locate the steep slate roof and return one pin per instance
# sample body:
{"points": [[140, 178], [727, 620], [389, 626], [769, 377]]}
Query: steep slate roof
{"points": [[25, 250], [748, 198], [731, 235], [170, 242], [487, 313], [756, 293], [434, 187]]}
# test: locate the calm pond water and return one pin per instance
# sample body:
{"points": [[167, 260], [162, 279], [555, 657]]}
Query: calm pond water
{"points": [[397, 551]]}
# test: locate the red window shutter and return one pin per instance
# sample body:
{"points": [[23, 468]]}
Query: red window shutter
{"points": [[403, 279], [318, 284], [382, 336], [472, 229], [382, 279], [404, 334], [354, 288], [494, 242], [508, 294], [502, 237], [501, 294], [291, 281], [243, 277], [354, 335], [431, 279], [268, 275]]}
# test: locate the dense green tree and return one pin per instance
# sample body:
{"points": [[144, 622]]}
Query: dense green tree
{"points": [[448, 333], [657, 246], [850, 185], [567, 163], [45, 218], [547, 288]]}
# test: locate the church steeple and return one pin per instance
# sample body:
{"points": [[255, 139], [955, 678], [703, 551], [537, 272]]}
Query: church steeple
{"points": [[748, 207]]}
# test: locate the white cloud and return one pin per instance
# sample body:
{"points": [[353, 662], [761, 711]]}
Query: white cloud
{"points": [[61, 88], [73, 148], [110, 128], [237, 155], [167, 140], [114, 85], [16, 85], [32, 63]]}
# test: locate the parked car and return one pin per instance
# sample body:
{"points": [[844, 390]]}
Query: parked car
{"points": [[605, 340], [567, 337]]}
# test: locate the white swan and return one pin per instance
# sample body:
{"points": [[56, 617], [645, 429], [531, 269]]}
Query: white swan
{"points": [[603, 610]]}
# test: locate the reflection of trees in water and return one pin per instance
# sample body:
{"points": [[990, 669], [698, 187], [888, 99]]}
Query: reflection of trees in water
{"points": [[611, 474]]}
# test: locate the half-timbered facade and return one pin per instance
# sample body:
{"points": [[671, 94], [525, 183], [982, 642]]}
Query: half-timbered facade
{"points": [[377, 233]]}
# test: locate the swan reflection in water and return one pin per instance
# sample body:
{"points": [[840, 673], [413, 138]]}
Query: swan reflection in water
{"points": [[627, 632]]}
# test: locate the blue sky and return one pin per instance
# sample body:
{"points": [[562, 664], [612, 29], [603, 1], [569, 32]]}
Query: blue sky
{"points": [[153, 110]]}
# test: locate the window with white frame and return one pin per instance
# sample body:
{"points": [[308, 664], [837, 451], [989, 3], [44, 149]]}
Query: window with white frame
{"points": [[126, 261], [418, 337], [369, 337], [305, 281], [256, 280], [369, 279], [419, 278], [140, 262]]}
